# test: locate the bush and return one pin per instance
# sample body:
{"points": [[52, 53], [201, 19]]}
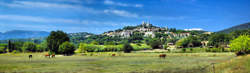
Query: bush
{"points": [[113, 48], [2, 49], [127, 48], [84, 48], [241, 44], [214, 50], [140, 46], [29, 47], [66, 48], [155, 43]]}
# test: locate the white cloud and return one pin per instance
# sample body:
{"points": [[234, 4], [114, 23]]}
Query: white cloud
{"points": [[194, 29], [51, 20], [121, 13], [110, 2], [63, 22], [71, 1], [34, 4]]}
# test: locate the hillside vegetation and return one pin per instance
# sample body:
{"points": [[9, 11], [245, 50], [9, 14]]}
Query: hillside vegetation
{"points": [[237, 27]]}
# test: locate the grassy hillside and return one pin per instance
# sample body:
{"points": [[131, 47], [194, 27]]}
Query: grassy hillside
{"points": [[238, 27], [122, 63]]}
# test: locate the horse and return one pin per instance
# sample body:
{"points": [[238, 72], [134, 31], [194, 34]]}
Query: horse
{"points": [[162, 55], [47, 55], [53, 56], [30, 56], [113, 54]]}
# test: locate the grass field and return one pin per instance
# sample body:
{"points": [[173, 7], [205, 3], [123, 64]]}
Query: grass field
{"points": [[124, 63]]}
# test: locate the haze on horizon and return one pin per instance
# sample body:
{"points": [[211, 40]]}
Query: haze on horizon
{"points": [[97, 16]]}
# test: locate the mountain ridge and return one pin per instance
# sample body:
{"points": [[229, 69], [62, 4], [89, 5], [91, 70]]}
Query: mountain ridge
{"points": [[22, 34], [237, 27]]}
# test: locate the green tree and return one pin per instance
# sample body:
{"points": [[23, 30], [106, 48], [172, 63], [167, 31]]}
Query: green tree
{"points": [[237, 33], [66, 48], [190, 41], [182, 42], [82, 48], [241, 44], [155, 43], [219, 39], [29, 47], [55, 39], [127, 48]]}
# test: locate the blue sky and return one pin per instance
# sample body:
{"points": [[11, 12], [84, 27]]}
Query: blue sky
{"points": [[98, 16]]}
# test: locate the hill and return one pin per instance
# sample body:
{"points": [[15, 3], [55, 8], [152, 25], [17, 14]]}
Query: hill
{"points": [[237, 27], [22, 34]]}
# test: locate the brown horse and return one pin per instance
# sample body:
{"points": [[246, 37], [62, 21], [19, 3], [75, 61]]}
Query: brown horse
{"points": [[162, 55], [53, 55], [113, 54], [47, 55]]}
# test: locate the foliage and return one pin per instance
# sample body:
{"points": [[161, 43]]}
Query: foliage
{"points": [[55, 39], [155, 43], [214, 49], [190, 41], [29, 47], [127, 48], [129, 27], [140, 47], [237, 33], [83, 47], [242, 44], [3, 48], [219, 39], [113, 48], [66, 48]]}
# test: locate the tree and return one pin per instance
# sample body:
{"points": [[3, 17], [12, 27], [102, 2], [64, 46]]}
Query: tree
{"points": [[29, 47], [10, 46], [155, 43], [66, 48], [127, 48], [182, 42], [55, 39], [190, 41], [237, 33], [219, 39], [82, 48], [241, 44]]}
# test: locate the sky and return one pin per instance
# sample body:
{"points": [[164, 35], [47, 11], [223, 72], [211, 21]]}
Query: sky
{"points": [[98, 16]]}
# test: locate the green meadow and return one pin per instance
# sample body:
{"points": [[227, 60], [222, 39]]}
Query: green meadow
{"points": [[124, 63]]}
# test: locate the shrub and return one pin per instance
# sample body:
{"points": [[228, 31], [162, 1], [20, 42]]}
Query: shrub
{"points": [[83, 48], [112, 48], [241, 44], [214, 49], [66, 48], [29, 47], [127, 48], [2, 49], [140, 46], [155, 43]]}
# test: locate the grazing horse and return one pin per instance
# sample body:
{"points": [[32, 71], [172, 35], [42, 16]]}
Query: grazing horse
{"points": [[162, 55], [113, 54], [47, 55], [30, 56], [53, 56]]}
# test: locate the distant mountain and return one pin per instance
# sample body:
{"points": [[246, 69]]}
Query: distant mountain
{"points": [[237, 27], [78, 37], [22, 34]]}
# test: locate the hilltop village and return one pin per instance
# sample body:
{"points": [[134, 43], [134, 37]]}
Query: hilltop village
{"points": [[148, 30]]}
